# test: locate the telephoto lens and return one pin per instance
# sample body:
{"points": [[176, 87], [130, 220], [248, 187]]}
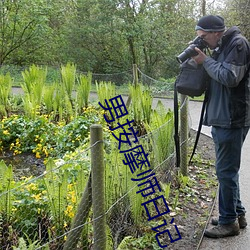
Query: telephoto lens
{"points": [[190, 50]]}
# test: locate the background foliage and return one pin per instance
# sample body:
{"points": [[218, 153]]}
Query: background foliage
{"points": [[106, 36]]}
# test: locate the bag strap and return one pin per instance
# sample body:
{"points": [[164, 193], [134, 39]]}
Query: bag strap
{"points": [[176, 126], [199, 127]]}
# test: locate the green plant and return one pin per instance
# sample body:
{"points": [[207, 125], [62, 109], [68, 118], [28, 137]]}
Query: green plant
{"points": [[146, 102], [58, 102], [30, 207], [42, 136], [68, 74], [105, 91], [48, 98], [6, 196], [141, 103], [14, 71], [28, 245], [83, 91], [167, 189], [34, 81], [183, 180], [135, 201], [22, 134], [63, 184], [160, 131], [147, 241], [5, 90], [118, 184], [62, 104], [56, 187], [176, 199]]}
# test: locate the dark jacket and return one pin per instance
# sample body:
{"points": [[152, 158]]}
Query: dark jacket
{"points": [[228, 103]]}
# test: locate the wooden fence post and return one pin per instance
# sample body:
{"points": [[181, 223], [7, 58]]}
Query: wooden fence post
{"points": [[135, 82], [98, 194], [135, 74]]}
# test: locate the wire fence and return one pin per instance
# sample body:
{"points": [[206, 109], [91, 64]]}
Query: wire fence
{"points": [[56, 210], [158, 87]]}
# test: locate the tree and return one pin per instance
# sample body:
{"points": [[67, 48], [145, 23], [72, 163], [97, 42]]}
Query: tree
{"points": [[94, 39], [21, 21], [237, 13], [101, 36], [108, 36]]}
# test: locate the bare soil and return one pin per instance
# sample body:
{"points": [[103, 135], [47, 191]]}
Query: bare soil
{"points": [[196, 200]]}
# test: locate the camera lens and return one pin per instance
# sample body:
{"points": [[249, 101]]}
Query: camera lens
{"points": [[190, 51], [187, 53]]}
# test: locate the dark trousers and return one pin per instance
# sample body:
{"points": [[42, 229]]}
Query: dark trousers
{"points": [[228, 145]]}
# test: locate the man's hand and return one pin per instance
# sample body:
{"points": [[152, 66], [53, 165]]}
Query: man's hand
{"points": [[200, 58]]}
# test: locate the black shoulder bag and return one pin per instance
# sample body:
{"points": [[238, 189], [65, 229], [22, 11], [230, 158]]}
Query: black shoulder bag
{"points": [[191, 81]]}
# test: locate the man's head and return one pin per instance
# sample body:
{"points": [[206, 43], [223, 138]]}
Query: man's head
{"points": [[211, 29]]}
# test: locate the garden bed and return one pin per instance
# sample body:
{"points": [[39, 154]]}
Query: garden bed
{"points": [[25, 164], [191, 210], [39, 211]]}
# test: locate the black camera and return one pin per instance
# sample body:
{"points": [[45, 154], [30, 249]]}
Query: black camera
{"points": [[190, 51]]}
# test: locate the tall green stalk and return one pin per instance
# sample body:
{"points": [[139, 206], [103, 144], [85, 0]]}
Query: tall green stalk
{"points": [[161, 128], [141, 103], [6, 184], [146, 102], [68, 74], [105, 90], [48, 98], [56, 185], [135, 201], [118, 183], [62, 106], [33, 85], [5, 90], [135, 93], [83, 91]]}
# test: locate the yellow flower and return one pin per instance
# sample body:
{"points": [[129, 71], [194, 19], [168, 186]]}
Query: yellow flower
{"points": [[31, 187], [17, 152], [45, 151], [6, 132], [73, 199], [38, 155], [37, 196], [69, 211], [14, 209]]}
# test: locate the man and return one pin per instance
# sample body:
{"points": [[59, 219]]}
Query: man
{"points": [[228, 112]]}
